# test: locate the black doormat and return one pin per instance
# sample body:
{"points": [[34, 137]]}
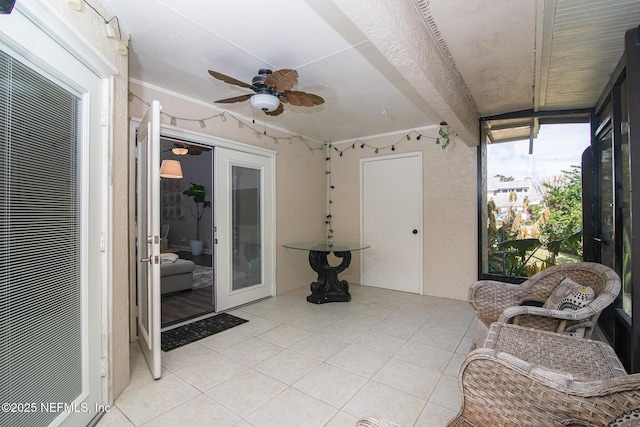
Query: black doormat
{"points": [[187, 334]]}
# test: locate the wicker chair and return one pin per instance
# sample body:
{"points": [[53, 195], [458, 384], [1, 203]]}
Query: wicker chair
{"points": [[502, 302], [527, 377]]}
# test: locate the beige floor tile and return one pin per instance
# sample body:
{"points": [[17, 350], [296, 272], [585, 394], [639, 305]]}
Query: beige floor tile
{"points": [[447, 393], [380, 343], [454, 364], [437, 337], [310, 322], [184, 356], [225, 339], [424, 355], [386, 402], [284, 335], [139, 372], [435, 416], [292, 408], [396, 329], [342, 419], [416, 317], [359, 360], [252, 351], [287, 366], [150, 400], [256, 326], [330, 384], [385, 353], [115, 418], [404, 376], [200, 411], [246, 392], [211, 371], [319, 347]]}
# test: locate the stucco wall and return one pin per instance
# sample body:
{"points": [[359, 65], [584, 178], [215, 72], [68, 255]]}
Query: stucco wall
{"points": [[450, 205], [300, 185], [89, 25]]}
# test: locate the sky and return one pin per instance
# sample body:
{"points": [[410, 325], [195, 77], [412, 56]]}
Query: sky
{"points": [[556, 148]]}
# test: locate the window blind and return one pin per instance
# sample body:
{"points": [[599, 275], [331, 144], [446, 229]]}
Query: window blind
{"points": [[40, 243]]}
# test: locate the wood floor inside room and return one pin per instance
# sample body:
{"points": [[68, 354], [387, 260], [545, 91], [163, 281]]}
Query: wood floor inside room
{"points": [[181, 306], [185, 305]]}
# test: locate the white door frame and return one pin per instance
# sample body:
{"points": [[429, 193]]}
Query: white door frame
{"points": [[417, 154], [207, 140], [46, 39]]}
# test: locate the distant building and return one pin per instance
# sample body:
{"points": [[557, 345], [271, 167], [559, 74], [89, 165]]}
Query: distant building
{"points": [[499, 191]]}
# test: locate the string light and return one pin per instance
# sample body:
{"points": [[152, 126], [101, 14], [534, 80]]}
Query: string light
{"points": [[443, 139], [224, 116], [121, 45]]}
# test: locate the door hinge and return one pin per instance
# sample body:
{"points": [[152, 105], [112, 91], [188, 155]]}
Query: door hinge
{"points": [[103, 244], [103, 367]]}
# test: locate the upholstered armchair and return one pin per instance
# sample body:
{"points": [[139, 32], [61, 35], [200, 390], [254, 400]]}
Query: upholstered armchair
{"points": [[509, 303], [527, 377]]}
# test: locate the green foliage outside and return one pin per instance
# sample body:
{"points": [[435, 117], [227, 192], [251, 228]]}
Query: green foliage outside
{"points": [[554, 234]]}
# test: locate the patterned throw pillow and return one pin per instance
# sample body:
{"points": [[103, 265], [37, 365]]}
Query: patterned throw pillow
{"points": [[569, 295], [628, 419]]}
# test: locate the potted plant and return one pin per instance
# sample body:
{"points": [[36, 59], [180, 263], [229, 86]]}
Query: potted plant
{"points": [[198, 193]]}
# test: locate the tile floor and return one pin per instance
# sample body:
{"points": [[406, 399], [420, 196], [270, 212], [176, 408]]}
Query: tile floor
{"points": [[385, 353]]}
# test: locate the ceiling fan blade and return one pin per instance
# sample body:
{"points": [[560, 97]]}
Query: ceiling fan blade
{"points": [[283, 80], [303, 99], [277, 111], [235, 99], [231, 80]]}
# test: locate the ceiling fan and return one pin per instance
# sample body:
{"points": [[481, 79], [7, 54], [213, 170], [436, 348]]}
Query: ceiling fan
{"points": [[181, 148], [272, 88]]}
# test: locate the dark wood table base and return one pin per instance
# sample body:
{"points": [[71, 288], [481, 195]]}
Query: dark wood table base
{"points": [[328, 287]]}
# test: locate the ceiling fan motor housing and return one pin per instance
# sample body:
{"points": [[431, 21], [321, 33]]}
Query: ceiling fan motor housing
{"points": [[259, 79]]}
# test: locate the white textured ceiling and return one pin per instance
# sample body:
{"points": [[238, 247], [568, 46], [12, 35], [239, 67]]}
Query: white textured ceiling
{"points": [[383, 65]]}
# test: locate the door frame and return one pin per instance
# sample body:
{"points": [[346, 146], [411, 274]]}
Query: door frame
{"points": [[203, 139], [622, 331], [417, 154], [45, 25]]}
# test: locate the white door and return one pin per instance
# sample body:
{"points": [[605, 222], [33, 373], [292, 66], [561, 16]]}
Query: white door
{"points": [[148, 257], [391, 213], [243, 206]]}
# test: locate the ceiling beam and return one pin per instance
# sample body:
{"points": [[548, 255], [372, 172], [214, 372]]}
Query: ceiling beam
{"points": [[399, 31]]}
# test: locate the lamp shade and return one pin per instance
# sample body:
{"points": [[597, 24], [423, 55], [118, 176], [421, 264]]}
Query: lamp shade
{"points": [[265, 102], [170, 169]]}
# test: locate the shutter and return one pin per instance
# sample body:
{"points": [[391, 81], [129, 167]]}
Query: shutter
{"points": [[40, 244]]}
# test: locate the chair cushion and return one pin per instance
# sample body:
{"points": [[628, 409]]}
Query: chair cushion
{"points": [[628, 419], [569, 295]]}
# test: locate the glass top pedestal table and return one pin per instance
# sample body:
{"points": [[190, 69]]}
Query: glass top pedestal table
{"points": [[328, 288]]}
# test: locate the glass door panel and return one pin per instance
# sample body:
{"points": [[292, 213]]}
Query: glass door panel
{"points": [[244, 262], [246, 224], [606, 185]]}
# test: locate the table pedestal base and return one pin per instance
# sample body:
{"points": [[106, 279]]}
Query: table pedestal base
{"points": [[328, 287]]}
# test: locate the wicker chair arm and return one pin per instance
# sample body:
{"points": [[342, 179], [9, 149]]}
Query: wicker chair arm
{"points": [[509, 314], [371, 421], [496, 295]]}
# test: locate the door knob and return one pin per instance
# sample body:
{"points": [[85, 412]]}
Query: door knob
{"points": [[415, 231]]}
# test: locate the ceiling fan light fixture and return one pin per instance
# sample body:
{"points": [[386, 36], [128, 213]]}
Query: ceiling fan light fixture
{"points": [[265, 102], [180, 151]]}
